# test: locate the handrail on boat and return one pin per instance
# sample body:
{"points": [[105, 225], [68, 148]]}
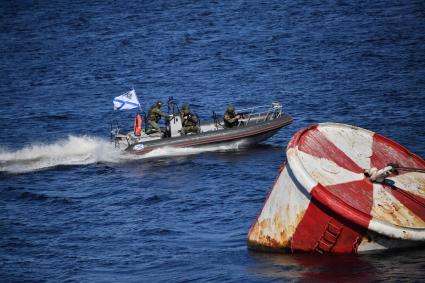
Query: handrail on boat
{"points": [[275, 110]]}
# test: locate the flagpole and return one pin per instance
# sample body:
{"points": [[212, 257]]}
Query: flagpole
{"points": [[140, 106]]}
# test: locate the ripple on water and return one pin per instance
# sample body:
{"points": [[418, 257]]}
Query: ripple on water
{"points": [[72, 208]]}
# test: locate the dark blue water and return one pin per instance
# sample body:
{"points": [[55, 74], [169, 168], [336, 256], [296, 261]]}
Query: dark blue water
{"points": [[74, 209]]}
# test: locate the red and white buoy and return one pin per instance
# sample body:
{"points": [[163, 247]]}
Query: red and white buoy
{"points": [[343, 190]]}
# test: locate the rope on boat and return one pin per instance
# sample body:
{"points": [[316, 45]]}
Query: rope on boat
{"points": [[378, 175], [408, 169]]}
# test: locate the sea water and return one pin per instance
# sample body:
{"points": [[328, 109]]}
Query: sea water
{"points": [[75, 208]]}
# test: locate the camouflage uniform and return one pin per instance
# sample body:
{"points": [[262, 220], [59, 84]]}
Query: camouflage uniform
{"points": [[231, 119], [189, 120], [155, 114]]}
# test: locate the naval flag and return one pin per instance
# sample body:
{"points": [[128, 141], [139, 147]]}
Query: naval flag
{"points": [[126, 101]]}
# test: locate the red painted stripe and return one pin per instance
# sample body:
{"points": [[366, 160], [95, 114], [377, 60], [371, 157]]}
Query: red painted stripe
{"points": [[313, 227], [315, 143], [386, 151], [340, 207], [415, 203], [310, 229], [357, 194], [295, 139]]}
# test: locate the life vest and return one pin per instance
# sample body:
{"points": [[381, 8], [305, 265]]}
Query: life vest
{"points": [[138, 126]]}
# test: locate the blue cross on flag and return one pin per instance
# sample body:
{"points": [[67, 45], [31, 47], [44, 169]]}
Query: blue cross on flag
{"points": [[126, 101]]}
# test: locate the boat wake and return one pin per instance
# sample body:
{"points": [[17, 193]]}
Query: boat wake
{"points": [[74, 150], [83, 150]]}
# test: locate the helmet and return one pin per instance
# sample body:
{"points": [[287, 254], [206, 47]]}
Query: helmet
{"points": [[230, 109], [159, 103], [185, 109]]}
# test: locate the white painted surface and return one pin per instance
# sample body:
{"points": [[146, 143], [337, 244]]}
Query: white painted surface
{"points": [[397, 232], [374, 242], [355, 142], [175, 126], [327, 172], [413, 182], [282, 212], [300, 173], [388, 208]]}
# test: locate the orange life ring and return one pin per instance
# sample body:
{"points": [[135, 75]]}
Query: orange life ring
{"points": [[138, 126]]}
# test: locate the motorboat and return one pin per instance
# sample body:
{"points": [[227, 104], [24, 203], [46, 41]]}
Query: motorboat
{"points": [[255, 125]]}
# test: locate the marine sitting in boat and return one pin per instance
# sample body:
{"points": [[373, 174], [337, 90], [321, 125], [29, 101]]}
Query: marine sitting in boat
{"points": [[189, 120], [231, 118]]}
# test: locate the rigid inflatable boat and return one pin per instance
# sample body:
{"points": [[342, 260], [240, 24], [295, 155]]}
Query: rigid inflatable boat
{"points": [[255, 125]]}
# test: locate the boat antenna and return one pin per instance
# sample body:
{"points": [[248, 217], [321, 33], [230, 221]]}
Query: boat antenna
{"points": [[171, 105]]}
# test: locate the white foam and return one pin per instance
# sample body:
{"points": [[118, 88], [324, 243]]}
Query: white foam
{"points": [[174, 151], [75, 150], [83, 150]]}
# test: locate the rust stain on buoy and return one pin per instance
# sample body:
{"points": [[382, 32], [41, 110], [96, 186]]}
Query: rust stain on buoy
{"points": [[323, 201]]}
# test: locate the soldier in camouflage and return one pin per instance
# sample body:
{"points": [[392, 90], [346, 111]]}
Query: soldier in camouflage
{"points": [[231, 119], [155, 114], [189, 120]]}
